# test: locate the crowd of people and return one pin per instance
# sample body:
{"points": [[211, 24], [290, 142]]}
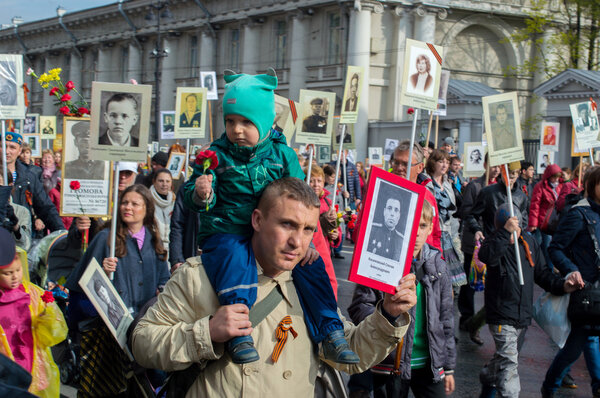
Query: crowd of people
{"points": [[229, 273]]}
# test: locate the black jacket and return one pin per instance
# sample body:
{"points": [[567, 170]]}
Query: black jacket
{"points": [[439, 311], [468, 200], [488, 201], [506, 301], [41, 204], [184, 228]]}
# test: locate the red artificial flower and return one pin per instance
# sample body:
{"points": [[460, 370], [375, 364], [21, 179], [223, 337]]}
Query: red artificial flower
{"points": [[208, 159], [75, 185], [53, 91], [47, 297], [410, 111], [69, 86], [337, 208], [83, 111], [65, 97], [64, 110]]}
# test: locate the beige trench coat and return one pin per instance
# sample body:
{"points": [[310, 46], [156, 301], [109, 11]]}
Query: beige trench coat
{"points": [[174, 334]]}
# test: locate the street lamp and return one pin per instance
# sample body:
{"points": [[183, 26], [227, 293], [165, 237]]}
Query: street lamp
{"points": [[158, 10]]}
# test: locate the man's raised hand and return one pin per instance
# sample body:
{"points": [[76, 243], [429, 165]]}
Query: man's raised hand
{"points": [[404, 299]]}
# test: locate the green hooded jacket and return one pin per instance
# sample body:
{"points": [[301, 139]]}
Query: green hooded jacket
{"points": [[239, 179]]}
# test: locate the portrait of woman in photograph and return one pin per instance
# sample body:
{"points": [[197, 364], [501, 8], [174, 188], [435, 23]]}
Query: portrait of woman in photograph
{"points": [[422, 80]]}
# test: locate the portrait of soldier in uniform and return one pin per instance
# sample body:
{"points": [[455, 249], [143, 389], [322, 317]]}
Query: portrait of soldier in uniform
{"points": [[83, 168], [503, 129], [8, 83], [385, 240], [47, 129], [317, 122], [191, 116]]}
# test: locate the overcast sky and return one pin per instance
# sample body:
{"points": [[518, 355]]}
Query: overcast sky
{"points": [[34, 10]]}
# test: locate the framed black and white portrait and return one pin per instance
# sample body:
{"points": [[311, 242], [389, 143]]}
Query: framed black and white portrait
{"points": [[208, 80], [120, 121], [315, 117], [503, 128], [105, 299], [422, 71], [12, 97]]}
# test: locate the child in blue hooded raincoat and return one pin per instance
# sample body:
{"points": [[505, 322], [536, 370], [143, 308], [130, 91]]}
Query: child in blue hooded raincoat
{"points": [[251, 155]]}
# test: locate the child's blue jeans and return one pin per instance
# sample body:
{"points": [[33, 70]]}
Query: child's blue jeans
{"points": [[231, 268]]}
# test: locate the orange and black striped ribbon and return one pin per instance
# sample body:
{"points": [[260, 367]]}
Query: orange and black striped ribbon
{"points": [[527, 251], [435, 53], [281, 333], [594, 106], [293, 110], [25, 91]]}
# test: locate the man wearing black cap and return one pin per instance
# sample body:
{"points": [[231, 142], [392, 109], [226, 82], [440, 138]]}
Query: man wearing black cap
{"points": [[83, 168], [28, 190], [315, 123]]}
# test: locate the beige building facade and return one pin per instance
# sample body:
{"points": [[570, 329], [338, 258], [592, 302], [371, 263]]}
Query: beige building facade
{"points": [[309, 43]]}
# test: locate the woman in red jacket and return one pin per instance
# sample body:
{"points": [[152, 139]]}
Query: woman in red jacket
{"points": [[543, 199]]}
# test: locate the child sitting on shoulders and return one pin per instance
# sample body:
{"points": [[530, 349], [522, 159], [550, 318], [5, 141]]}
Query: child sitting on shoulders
{"points": [[251, 155], [28, 325]]}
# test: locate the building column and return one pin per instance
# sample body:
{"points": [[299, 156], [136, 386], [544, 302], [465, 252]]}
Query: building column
{"points": [[465, 134], [403, 27], [75, 64], [299, 42], [424, 29], [104, 64], [359, 54], [48, 108], [250, 50], [167, 76], [134, 66], [207, 51]]}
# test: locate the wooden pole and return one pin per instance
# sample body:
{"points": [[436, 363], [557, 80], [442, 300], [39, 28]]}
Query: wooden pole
{"points": [[580, 168], [437, 124], [429, 129], [210, 123]]}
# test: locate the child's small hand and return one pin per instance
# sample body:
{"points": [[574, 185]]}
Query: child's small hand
{"points": [[311, 256], [204, 186], [109, 265]]}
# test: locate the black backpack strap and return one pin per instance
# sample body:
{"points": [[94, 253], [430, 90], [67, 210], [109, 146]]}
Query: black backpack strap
{"points": [[590, 227], [178, 383]]}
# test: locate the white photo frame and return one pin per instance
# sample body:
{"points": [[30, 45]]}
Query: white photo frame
{"points": [[503, 128], [105, 299], [315, 117], [120, 112], [422, 72], [208, 80], [167, 125], [352, 94], [48, 127], [549, 136], [175, 164], [12, 96], [190, 113]]}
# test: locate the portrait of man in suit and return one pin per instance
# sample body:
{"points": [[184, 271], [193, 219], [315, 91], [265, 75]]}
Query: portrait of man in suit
{"points": [[352, 101], [121, 115]]}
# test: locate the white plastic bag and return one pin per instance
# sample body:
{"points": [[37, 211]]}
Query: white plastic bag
{"points": [[550, 312]]}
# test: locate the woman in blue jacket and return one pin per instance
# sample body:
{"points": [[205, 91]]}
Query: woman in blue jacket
{"points": [[572, 251]]}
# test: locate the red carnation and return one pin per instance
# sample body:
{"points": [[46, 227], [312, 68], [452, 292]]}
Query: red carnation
{"points": [[64, 110], [208, 159], [70, 85], [75, 185], [65, 97], [410, 111], [47, 297], [53, 91], [83, 111]]}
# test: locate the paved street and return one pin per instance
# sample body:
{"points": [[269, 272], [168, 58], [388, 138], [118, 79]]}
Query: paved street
{"points": [[536, 356]]}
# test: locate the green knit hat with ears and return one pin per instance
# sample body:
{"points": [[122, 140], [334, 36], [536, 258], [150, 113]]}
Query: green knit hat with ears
{"points": [[252, 97]]}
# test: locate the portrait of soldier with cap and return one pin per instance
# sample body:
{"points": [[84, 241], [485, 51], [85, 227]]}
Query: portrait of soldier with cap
{"points": [[385, 240], [317, 122], [83, 168]]}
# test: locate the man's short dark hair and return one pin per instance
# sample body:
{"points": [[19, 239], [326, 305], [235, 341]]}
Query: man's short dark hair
{"points": [[354, 76], [288, 188], [329, 170], [592, 179], [120, 97], [525, 165], [582, 107], [500, 106]]}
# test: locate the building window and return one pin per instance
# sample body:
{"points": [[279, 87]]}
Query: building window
{"points": [[194, 56], [280, 44], [235, 49], [335, 39], [125, 65]]}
